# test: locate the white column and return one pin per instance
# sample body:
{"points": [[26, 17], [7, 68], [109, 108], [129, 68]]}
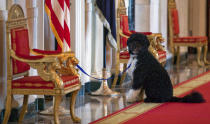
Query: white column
{"points": [[182, 7], [9, 3], [97, 50], [88, 37], [155, 16], [32, 13], [40, 24], [77, 31], [3, 58], [142, 15]]}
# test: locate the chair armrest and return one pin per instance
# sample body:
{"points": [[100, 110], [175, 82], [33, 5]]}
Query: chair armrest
{"points": [[145, 33], [53, 53], [45, 52], [46, 66], [34, 59], [67, 60], [123, 35]]}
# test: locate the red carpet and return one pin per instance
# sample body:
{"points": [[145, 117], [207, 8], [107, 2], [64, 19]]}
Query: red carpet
{"points": [[178, 113], [168, 113]]}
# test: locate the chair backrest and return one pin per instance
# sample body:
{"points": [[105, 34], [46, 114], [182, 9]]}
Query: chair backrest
{"points": [[124, 28], [173, 21], [173, 18], [121, 15], [18, 41]]}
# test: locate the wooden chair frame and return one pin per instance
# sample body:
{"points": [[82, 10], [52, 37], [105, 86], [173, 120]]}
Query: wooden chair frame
{"points": [[175, 47], [155, 40], [53, 63]]}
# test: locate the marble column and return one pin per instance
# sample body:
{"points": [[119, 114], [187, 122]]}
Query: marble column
{"points": [[9, 3], [88, 35], [97, 51], [77, 26], [183, 8], [32, 13], [155, 16], [3, 63], [142, 15]]}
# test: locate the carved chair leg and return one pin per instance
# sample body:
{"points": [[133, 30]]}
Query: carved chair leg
{"points": [[24, 108], [199, 56], [56, 108], [72, 106], [123, 75], [178, 56], [174, 55], [117, 71], [205, 54], [8, 108]]}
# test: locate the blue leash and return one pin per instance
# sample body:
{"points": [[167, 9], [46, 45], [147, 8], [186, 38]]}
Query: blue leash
{"points": [[83, 71]]}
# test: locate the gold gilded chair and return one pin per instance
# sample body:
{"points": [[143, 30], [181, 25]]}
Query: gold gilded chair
{"points": [[123, 33], [51, 80], [190, 41]]}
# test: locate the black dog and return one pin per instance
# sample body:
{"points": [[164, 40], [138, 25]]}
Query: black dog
{"points": [[151, 77]]}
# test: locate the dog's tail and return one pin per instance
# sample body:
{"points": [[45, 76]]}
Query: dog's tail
{"points": [[194, 97]]}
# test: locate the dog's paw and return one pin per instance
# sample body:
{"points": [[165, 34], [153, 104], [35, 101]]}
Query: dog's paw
{"points": [[133, 95]]}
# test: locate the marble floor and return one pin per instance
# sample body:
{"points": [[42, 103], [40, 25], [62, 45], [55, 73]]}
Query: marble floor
{"points": [[90, 108]]}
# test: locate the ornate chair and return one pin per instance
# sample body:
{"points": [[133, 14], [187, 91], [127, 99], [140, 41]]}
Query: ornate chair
{"points": [[51, 80], [123, 34], [190, 41]]}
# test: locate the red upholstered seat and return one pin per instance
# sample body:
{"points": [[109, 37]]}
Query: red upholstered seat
{"points": [[161, 56], [175, 41], [36, 82], [190, 39], [124, 55], [56, 72]]}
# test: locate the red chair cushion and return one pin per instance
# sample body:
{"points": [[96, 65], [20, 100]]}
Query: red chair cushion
{"points": [[47, 52], [190, 39], [124, 55], [123, 42], [124, 25], [161, 54], [36, 82], [20, 44], [175, 21]]}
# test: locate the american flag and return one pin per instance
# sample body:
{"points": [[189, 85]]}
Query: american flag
{"points": [[58, 12]]}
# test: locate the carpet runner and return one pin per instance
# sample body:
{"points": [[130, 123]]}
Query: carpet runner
{"points": [[168, 113]]}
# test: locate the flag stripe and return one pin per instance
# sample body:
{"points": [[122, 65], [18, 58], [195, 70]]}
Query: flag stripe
{"points": [[67, 3], [59, 16], [67, 34], [59, 40], [58, 11], [61, 3]]}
